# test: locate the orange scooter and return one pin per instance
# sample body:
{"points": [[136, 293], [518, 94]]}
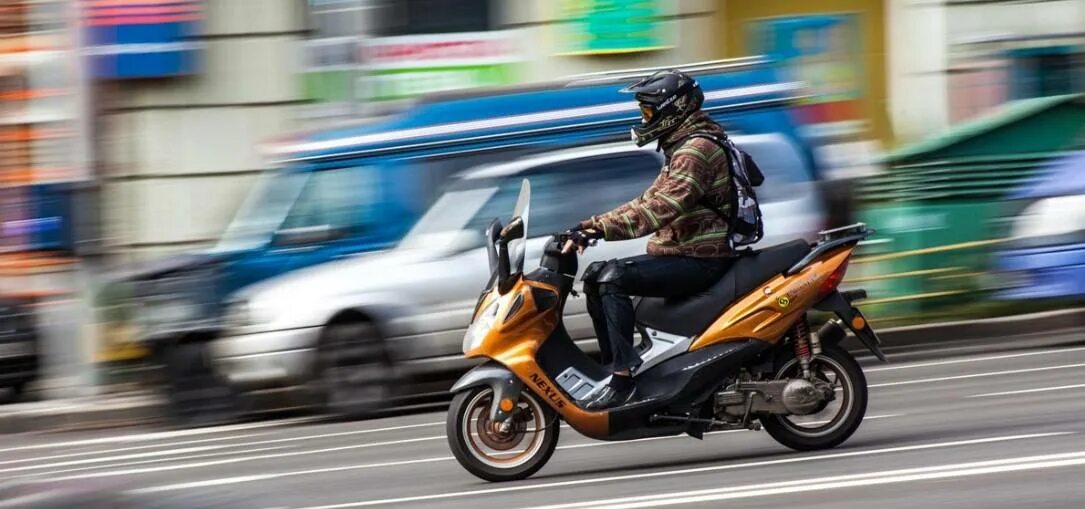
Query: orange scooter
{"points": [[738, 356]]}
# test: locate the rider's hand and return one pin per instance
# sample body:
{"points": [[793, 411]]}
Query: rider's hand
{"points": [[580, 239]]}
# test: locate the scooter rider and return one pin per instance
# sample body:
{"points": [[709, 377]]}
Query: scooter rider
{"points": [[686, 209]]}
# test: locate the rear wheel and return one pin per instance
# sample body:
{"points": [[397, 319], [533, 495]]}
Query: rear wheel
{"points": [[356, 374], [836, 420], [497, 452]]}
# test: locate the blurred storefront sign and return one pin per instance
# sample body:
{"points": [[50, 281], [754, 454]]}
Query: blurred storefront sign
{"points": [[342, 72], [823, 51], [35, 218], [41, 140], [331, 70], [610, 26], [141, 38], [838, 47], [412, 65]]}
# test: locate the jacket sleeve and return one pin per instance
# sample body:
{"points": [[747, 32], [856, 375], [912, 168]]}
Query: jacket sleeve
{"points": [[674, 193], [602, 221]]}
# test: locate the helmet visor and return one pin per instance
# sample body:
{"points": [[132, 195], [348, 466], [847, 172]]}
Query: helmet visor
{"points": [[647, 112]]}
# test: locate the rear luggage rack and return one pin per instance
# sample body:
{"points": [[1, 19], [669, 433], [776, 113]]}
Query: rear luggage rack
{"points": [[844, 231], [832, 239]]}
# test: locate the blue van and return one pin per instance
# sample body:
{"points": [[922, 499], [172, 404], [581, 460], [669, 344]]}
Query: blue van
{"points": [[1044, 257], [340, 192]]}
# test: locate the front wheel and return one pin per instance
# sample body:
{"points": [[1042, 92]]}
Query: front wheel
{"points": [[832, 424], [500, 451]]}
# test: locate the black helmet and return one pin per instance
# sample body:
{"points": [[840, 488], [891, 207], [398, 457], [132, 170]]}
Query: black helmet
{"points": [[666, 98]]}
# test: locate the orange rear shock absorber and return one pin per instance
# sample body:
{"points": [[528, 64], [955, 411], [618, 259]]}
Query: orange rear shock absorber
{"points": [[800, 332]]}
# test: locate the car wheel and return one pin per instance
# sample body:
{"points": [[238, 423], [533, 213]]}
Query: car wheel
{"points": [[13, 393], [355, 372], [196, 395]]}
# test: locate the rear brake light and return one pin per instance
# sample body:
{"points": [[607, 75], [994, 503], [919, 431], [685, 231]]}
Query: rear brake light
{"points": [[834, 279]]}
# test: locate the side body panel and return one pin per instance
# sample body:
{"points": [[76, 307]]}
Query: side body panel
{"points": [[768, 311]]}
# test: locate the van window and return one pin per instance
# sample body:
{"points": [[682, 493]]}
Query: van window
{"points": [[338, 198], [263, 210]]}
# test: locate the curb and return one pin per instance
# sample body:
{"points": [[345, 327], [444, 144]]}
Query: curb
{"points": [[81, 414], [91, 413]]}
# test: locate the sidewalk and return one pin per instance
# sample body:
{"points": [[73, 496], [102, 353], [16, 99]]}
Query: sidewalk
{"points": [[142, 408], [82, 413]]}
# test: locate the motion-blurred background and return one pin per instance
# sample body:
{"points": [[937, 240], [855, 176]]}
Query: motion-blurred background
{"points": [[174, 172]]}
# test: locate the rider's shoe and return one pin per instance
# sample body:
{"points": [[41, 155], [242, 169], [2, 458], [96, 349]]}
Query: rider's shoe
{"points": [[616, 393]]}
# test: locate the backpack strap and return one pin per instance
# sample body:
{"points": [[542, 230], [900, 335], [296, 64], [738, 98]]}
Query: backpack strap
{"points": [[733, 218]]}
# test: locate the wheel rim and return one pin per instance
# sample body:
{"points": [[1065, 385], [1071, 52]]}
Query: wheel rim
{"points": [[503, 449], [355, 371], [833, 414]]}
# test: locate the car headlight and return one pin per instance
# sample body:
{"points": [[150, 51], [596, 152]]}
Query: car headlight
{"points": [[480, 327]]}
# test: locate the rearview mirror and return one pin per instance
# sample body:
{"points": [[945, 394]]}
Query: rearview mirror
{"points": [[306, 235], [514, 230]]}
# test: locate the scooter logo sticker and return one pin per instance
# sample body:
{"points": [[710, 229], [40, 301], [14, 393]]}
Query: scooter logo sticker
{"points": [[784, 301], [550, 393]]}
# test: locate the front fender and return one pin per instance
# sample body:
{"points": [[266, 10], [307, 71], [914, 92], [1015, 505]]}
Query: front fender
{"points": [[503, 382]]}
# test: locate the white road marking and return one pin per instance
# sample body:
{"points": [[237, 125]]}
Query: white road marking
{"points": [[157, 435], [972, 359], [242, 459], [1028, 391], [123, 449], [685, 471], [975, 375], [114, 458], [337, 434], [951, 471], [201, 441], [264, 477], [148, 462]]}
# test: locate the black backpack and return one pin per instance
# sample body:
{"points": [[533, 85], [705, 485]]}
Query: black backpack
{"points": [[744, 224]]}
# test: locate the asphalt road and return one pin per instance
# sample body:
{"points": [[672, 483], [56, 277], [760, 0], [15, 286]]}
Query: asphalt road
{"points": [[966, 427]]}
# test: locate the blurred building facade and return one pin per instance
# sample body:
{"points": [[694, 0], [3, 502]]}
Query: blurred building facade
{"points": [[952, 61], [364, 55], [42, 135], [177, 153]]}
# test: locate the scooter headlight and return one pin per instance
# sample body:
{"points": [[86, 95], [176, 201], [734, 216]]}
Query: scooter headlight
{"points": [[480, 327]]}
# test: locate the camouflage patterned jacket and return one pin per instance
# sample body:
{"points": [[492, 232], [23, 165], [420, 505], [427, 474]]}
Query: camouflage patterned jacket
{"points": [[673, 208]]}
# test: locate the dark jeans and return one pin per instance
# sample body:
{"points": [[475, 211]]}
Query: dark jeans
{"points": [[609, 285]]}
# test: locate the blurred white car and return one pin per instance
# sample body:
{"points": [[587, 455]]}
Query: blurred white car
{"points": [[359, 331]]}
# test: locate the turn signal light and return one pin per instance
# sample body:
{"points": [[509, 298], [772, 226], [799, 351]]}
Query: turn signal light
{"points": [[858, 323]]}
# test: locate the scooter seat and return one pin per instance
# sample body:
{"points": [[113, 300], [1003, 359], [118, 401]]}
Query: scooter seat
{"points": [[691, 315]]}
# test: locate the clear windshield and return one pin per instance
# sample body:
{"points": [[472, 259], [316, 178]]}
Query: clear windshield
{"points": [[263, 211], [518, 247]]}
